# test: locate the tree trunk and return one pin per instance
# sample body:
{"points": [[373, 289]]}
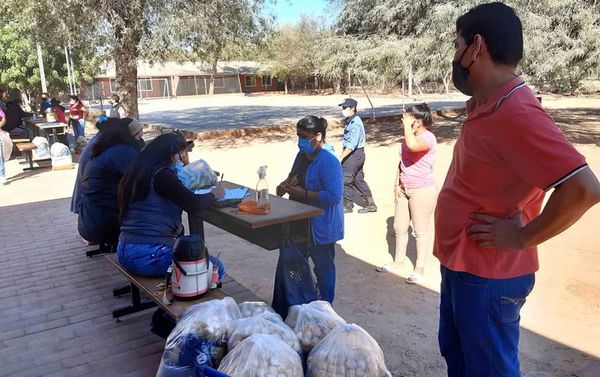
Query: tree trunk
{"points": [[337, 86], [410, 81], [446, 82], [126, 55], [211, 89], [285, 85]]}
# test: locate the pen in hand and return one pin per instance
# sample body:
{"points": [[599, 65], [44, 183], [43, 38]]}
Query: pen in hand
{"points": [[221, 182]]}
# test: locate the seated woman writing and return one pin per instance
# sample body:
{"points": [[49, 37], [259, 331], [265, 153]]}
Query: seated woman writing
{"points": [[151, 201], [316, 179], [110, 156]]}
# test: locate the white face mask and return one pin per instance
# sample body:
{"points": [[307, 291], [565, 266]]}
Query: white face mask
{"points": [[346, 113]]}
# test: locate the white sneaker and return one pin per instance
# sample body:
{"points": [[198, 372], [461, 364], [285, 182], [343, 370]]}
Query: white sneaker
{"points": [[414, 278], [388, 267]]}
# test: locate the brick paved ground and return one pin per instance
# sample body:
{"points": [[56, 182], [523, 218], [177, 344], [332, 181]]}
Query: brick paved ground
{"points": [[56, 304]]}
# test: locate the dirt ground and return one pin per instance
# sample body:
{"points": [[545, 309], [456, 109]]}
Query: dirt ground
{"points": [[560, 322]]}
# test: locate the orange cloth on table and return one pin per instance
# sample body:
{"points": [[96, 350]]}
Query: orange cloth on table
{"points": [[251, 206]]}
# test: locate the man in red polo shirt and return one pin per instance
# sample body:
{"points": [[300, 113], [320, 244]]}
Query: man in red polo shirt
{"points": [[488, 216]]}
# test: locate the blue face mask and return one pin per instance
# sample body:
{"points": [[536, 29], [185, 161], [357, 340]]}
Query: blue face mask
{"points": [[305, 146], [177, 166]]}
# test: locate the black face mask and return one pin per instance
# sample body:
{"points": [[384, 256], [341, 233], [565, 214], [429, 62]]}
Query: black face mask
{"points": [[460, 75]]}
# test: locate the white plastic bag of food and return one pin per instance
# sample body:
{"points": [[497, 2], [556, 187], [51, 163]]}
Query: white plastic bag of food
{"points": [[348, 351], [253, 308], [196, 175], [7, 145], [61, 157], [262, 356], [262, 324], [42, 152], [312, 322], [201, 333]]}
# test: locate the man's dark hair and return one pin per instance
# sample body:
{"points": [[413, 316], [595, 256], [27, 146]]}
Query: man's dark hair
{"points": [[115, 97], [499, 26], [313, 124]]}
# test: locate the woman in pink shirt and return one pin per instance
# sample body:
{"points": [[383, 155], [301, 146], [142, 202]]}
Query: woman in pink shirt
{"points": [[415, 190]]}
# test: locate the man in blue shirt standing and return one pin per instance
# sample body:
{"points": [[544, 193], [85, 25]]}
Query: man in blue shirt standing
{"points": [[353, 160]]}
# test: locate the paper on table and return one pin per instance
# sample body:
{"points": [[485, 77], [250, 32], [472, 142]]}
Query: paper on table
{"points": [[203, 191], [230, 194]]}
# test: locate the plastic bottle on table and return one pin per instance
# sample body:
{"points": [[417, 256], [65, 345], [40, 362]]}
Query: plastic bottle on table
{"points": [[262, 191]]}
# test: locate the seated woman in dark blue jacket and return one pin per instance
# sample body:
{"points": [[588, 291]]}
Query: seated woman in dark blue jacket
{"points": [[110, 156], [135, 128], [316, 179], [151, 201]]}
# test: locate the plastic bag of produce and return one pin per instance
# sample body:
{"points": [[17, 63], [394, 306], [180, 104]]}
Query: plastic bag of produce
{"points": [[61, 157], [262, 356], [348, 351], [312, 322], [252, 308], [201, 333], [196, 175], [42, 152], [262, 324]]}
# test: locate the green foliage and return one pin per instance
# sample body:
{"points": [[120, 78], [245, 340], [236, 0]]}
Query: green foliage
{"points": [[562, 38], [25, 23]]}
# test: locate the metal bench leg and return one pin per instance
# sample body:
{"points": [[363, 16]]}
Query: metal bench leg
{"points": [[136, 304], [118, 292], [29, 158], [103, 249]]}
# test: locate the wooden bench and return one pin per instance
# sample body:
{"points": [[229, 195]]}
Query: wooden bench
{"points": [[149, 287], [18, 140], [25, 149]]}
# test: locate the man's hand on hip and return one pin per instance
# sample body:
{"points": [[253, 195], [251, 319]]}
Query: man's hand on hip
{"points": [[493, 232]]}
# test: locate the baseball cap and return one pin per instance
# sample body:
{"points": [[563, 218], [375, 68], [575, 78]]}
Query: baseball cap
{"points": [[135, 127], [349, 102]]}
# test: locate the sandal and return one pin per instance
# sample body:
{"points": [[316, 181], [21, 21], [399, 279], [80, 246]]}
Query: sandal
{"points": [[414, 278], [388, 267]]}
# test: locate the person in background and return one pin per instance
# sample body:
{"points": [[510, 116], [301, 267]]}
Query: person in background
{"points": [[116, 108], [151, 202], [3, 135], [78, 112], [356, 190], [489, 218], [316, 179], [15, 115], [45, 104], [415, 191], [110, 156], [3, 100], [59, 111], [135, 129]]}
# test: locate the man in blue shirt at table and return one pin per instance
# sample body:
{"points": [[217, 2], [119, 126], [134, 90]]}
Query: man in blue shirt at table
{"points": [[356, 190], [45, 104]]}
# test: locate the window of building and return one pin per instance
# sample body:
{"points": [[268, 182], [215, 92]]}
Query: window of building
{"points": [[267, 81], [145, 85], [219, 82], [250, 80], [113, 86]]}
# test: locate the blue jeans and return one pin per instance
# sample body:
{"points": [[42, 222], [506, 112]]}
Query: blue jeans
{"points": [[152, 260], [78, 128], [294, 283], [479, 323]]}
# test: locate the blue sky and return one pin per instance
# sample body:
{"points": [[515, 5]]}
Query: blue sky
{"points": [[289, 11]]}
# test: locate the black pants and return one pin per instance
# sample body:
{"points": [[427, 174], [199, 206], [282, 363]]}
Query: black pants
{"points": [[355, 187]]}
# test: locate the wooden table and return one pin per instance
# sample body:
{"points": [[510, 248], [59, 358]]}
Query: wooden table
{"points": [[288, 220], [49, 126], [148, 286]]}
